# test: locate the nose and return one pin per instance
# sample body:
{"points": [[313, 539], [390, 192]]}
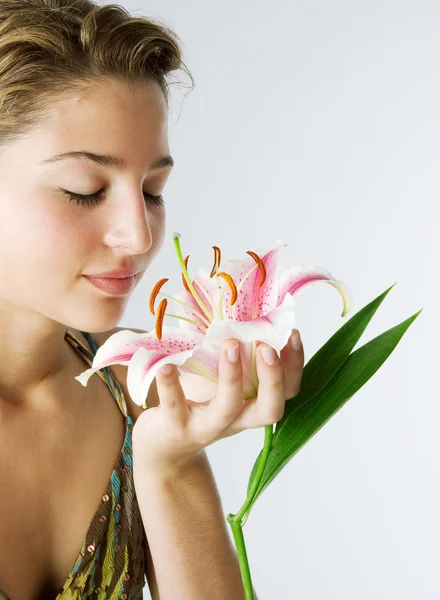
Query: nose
{"points": [[130, 223]]}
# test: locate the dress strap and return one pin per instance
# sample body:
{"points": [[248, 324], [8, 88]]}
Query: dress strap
{"points": [[105, 373]]}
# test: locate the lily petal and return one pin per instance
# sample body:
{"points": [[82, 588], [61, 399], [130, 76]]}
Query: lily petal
{"points": [[123, 345], [117, 350], [201, 360], [253, 300], [273, 328], [143, 368], [296, 279], [180, 347]]}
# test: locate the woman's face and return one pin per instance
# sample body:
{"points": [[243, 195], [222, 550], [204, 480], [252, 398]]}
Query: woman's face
{"points": [[48, 241]]}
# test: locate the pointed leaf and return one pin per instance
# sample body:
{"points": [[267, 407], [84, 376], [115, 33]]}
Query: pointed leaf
{"points": [[254, 472], [307, 419], [328, 360]]}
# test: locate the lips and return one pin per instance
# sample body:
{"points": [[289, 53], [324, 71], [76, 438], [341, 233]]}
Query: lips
{"points": [[113, 285], [114, 274]]}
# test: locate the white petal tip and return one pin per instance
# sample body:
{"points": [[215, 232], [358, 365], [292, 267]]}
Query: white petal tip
{"points": [[82, 380], [346, 295], [85, 376]]}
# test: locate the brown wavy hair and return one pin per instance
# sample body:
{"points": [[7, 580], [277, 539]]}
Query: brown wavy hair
{"points": [[50, 49]]}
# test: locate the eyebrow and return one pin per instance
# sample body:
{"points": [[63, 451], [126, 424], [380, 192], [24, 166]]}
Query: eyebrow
{"points": [[107, 160]]}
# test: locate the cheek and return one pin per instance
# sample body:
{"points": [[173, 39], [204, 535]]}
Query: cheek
{"points": [[37, 244]]}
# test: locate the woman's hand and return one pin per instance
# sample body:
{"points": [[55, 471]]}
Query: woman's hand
{"points": [[173, 434]]}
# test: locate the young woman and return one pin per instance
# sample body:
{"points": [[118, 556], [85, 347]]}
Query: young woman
{"points": [[88, 504]]}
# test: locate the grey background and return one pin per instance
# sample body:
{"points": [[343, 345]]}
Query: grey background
{"points": [[321, 120]]}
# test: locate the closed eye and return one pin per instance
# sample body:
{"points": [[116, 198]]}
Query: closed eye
{"points": [[94, 199]]}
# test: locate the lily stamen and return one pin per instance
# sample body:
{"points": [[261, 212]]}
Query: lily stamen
{"points": [[217, 261], [260, 264], [155, 292], [208, 297], [188, 307], [192, 290], [231, 285], [202, 329], [185, 285], [160, 316]]}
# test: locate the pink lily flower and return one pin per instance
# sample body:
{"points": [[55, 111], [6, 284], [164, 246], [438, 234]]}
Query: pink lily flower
{"points": [[250, 300]]}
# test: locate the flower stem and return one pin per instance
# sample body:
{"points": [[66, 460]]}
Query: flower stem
{"points": [[237, 532], [238, 520]]}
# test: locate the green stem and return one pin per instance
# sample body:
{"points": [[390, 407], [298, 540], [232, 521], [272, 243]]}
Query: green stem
{"points": [[237, 521], [237, 532]]}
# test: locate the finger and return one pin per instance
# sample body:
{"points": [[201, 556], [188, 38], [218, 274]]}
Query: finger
{"points": [[228, 401], [268, 407], [293, 363], [270, 403], [171, 395]]}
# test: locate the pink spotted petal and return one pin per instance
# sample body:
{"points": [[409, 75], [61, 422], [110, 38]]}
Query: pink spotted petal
{"points": [[200, 360], [143, 368], [274, 328], [253, 301], [120, 347]]}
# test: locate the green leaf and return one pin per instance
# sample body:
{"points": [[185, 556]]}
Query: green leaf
{"points": [[330, 357], [326, 362], [307, 419], [254, 471]]}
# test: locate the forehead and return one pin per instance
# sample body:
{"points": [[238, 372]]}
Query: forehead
{"points": [[112, 117]]}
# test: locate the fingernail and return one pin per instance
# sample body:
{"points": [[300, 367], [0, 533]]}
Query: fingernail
{"points": [[233, 352], [295, 340], [269, 355], [166, 369]]}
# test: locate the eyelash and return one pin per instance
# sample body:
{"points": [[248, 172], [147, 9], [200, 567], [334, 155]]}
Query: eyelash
{"points": [[94, 199]]}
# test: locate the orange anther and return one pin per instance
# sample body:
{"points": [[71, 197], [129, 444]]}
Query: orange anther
{"points": [[154, 293], [260, 264], [185, 285], [160, 315], [232, 286], [217, 260]]}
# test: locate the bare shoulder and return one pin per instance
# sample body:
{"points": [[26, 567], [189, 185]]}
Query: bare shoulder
{"points": [[120, 374]]}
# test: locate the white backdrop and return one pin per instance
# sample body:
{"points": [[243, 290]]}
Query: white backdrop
{"points": [[321, 120]]}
